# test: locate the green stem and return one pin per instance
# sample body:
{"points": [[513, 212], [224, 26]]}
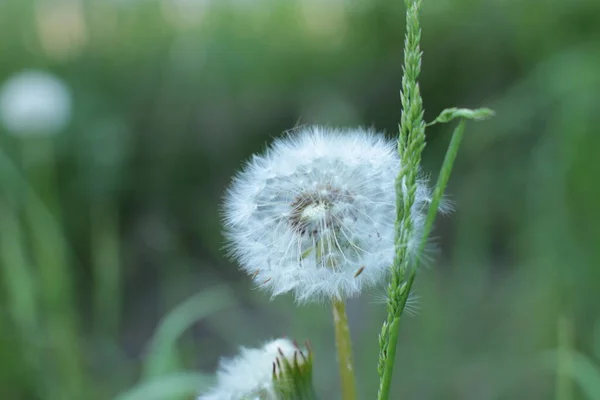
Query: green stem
{"points": [[394, 326], [106, 266], [344, 349], [564, 385], [20, 283], [50, 254], [21, 290], [392, 340]]}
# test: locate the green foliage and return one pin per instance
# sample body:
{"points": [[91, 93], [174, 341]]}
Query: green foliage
{"points": [[169, 386], [162, 356]]}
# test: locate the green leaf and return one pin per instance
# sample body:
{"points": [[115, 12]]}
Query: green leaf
{"points": [[452, 113], [162, 354], [581, 369], [174, 385]]}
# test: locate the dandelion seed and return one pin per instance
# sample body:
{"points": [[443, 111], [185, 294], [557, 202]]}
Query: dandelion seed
{"points": [[317, 207], [359, 271]]}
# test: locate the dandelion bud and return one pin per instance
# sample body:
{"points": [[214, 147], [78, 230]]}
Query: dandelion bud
{"points": [[277, 371], [314, 215]]}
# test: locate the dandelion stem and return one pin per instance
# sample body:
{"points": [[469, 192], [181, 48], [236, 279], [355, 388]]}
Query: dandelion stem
{"points": [[344, 349]]}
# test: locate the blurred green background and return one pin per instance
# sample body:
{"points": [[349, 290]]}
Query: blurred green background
{"points": [[113, 279]]}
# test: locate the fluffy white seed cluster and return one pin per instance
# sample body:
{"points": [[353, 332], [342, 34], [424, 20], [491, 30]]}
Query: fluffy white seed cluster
{"points": [[249, 376], [314, 215], [34, 103]]}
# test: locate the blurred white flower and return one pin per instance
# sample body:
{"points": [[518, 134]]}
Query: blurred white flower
{"points": [[315, 214], [34, 103], [250, 375]]}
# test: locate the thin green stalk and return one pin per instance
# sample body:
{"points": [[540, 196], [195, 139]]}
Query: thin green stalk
{"points": [[50, 254], [107, 273], [19, 278], [564, 384], [392, 327], [19, 282], [344, 350], [21, 290], [442, 182], [411, 143]]}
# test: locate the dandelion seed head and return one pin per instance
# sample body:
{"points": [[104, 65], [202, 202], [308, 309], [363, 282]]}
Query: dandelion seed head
{"points": [[34, 103], [317, 206], [249, 375]]}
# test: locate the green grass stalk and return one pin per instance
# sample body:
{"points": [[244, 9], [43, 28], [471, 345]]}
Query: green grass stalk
{"points": [[411, 143], [49, 251], [564, 383], [393, 326], [106, 267]]}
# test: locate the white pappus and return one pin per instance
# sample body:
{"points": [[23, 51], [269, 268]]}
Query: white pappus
{"points": [[249, 375], [314, 215]]}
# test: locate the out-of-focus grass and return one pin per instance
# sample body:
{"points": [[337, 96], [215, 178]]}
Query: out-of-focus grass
{"points": [[114, 223], [184, 385], [162, 354]]}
